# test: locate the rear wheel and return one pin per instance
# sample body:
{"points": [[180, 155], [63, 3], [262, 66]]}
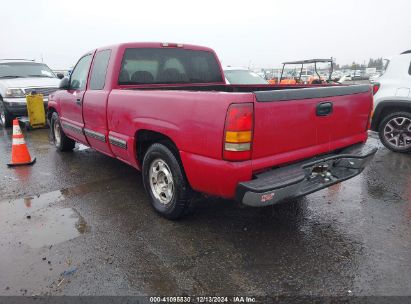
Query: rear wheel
{"points": [[395, 131], [6, 118], [61, 141], [165, 183]]}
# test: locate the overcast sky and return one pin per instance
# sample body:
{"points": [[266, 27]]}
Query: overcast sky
{"points": [[263, 33]]}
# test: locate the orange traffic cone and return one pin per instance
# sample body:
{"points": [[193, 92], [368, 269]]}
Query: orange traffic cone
{"points": [[20, 155]]}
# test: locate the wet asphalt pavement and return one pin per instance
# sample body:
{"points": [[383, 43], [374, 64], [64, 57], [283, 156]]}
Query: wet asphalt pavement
{"points": [[80, 224]]}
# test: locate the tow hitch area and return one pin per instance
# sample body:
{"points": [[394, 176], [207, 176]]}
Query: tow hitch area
{"points": [[321, 171], [303, 178]]}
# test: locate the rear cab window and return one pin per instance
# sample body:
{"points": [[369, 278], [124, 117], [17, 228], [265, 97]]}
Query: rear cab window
{"points": [[99, 70], [168, 66]]}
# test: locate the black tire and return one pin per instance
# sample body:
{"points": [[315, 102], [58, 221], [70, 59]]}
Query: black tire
{"points": [[65, 143], [6, 118], [382, 127], [181, 193]]}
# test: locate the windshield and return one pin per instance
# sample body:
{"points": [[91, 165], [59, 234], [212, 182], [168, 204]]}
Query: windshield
{"points": [[243, 77], [25, 70]]}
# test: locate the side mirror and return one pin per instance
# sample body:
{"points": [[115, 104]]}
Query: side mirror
{"points": [[64, 84], [60, 75]]}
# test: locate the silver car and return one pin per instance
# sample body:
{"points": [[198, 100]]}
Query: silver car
{"points": [[18, 78]]}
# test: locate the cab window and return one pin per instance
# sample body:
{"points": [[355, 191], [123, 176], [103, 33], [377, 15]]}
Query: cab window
{"points": [[78, 79], [99, 70]]}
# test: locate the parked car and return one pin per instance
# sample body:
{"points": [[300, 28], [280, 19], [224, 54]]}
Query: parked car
{"points": [[19, 77], [239, 75], [375, 77], [336, 76], [348, 77], [392, 114], [360, 75], [166, 110], [305, 75]]}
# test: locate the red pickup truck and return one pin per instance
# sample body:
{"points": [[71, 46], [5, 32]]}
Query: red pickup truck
{"points": [[166, 110]]}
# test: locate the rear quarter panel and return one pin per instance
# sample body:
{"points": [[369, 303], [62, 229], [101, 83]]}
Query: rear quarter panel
{"points": [[193, 120]]}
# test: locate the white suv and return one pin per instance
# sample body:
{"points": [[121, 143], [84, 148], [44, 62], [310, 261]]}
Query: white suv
{"points": [[19, 77], [392, 104]]}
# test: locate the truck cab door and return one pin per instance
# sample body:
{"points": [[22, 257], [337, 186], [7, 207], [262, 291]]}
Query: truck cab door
{"points": [[95, 103], [71, 101]]}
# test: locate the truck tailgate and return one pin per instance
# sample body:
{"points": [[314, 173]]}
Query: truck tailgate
{"points": [[300, 123]]}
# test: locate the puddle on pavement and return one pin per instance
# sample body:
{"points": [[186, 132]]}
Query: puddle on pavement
{"points": [[37, 222]]}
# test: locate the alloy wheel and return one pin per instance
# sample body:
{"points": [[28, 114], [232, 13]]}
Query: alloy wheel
{"points": [[397, 132], [161, 181]]}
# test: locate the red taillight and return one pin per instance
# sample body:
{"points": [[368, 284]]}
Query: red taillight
{"points": [[238, 132], [375, 88]]}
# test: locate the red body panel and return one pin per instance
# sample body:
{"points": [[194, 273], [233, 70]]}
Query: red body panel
{"points": [[284, 131], [193, 120], [95, 118], [72, 112], [215, 176]]}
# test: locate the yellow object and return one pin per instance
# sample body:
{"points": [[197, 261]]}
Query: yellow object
{"points": [[238, 137], [35, 110]]}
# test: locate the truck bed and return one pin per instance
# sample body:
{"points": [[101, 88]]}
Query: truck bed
{"points": [[286, 126]]}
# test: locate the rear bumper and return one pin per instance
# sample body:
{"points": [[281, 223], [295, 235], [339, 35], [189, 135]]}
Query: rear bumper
{"points": [[303, 178]]}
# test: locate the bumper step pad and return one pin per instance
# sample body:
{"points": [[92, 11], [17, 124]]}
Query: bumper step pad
{"points": [[305, 177]]}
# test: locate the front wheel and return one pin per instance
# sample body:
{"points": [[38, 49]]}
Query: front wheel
{"points": [[6, 118], [61, 141], [395, 131], [165, 183]]}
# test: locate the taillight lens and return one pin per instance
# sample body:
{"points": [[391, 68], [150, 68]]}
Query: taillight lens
{"points": [[375, 88], [238, 132]]}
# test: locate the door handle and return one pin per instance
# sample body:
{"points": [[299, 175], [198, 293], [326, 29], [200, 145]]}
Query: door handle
{"points": [[78, 101], [324, 108]]}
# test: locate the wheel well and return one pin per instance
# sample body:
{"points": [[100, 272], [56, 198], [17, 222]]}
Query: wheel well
{"points": [[145, 138], [388, 110], [50, 112]]}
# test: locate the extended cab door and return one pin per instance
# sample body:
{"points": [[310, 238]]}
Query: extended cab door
{"points": [[95, 103], [71, 101]]}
